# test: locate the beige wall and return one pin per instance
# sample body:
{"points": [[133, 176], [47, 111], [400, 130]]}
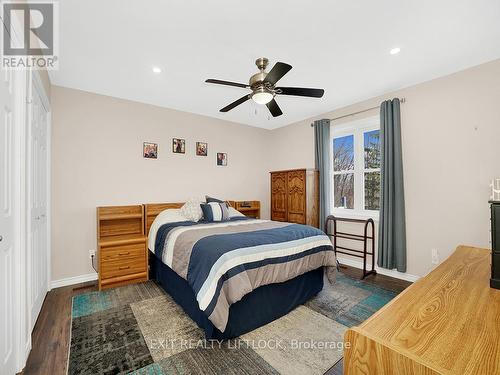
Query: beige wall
{"points": [[97, 160], [450, 129]]}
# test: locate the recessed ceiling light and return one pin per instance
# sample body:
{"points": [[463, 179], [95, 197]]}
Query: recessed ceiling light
{"points": [[156, 70], [395, 51]]}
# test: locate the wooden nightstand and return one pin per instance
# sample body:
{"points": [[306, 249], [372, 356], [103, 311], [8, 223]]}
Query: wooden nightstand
{"points": [[247, 208], [121, 246]]}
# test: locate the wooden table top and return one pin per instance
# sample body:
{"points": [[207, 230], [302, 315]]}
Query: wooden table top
{"points": [[448, 321]]}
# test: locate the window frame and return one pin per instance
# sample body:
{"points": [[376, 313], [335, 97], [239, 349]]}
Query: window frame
{"points": [[357, 129]]}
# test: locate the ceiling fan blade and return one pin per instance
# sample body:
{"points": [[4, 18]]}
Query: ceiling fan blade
{"points": [[277, 72], [227, 83], [274, 108], [235, 103], [300, 91]]}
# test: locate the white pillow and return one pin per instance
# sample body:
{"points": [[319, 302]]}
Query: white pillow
{"points": [[192, 210], [171, 215], [233, 212]]}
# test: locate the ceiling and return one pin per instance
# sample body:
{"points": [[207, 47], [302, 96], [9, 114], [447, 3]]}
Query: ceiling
{"points": [[109, 47]]}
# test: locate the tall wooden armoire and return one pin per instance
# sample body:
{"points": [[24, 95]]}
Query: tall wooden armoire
{"points": [[295, 196]]}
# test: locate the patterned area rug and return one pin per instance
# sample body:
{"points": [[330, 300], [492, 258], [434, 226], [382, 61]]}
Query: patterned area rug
{"points": [[139, 329]]}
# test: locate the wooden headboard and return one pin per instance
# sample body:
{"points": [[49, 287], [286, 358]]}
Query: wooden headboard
{"points": [[151, 210]]}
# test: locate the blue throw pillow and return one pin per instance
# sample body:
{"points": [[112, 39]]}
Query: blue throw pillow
{"points": [[215, 211], [211, 199]]}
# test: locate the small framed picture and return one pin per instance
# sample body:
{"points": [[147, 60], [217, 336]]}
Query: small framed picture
{"points": [[178, 146], [150, 150], [222, 159], [201, 148]]}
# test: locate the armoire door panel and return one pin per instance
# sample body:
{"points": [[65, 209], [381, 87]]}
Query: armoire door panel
{"points": [[279, 196], [296, 197], [296, 218]]}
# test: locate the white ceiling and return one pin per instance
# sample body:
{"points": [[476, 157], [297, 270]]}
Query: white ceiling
{"points": [[109, 47]]}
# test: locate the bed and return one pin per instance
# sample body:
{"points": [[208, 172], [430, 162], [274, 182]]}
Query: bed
{"points": [[234, 276]]}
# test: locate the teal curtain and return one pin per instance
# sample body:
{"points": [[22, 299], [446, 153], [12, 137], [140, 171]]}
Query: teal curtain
{"points": [[392, 224], [322, 162]]}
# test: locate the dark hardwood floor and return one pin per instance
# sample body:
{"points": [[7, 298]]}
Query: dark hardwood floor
{"points": [[51, 336], [386, 282]]}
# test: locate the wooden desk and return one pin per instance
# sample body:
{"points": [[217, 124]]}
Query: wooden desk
{"points": [[448, 322]]}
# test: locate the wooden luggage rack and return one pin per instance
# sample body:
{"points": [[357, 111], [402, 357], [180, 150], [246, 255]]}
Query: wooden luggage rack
{"points": [[365, 237]]}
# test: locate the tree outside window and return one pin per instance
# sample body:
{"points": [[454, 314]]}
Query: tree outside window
{"points": [[356, 166]]}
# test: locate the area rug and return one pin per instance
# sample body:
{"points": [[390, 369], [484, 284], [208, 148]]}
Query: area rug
{"points": [[139, 329]]}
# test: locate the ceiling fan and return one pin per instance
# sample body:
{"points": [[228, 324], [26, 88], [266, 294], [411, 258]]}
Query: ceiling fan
{"points": [[263, 86]]}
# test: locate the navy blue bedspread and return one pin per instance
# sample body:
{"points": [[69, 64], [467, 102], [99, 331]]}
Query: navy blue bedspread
{"points": [[223, 262], [262, 306]]}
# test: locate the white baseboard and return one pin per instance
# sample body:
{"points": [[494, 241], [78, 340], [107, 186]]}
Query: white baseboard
{"points": [[73, 280], [397, 275], [23, 356], [27, 351]]}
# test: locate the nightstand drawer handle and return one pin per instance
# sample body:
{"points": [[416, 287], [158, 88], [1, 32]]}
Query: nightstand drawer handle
{"points": [[127, 253], [124, 268]]}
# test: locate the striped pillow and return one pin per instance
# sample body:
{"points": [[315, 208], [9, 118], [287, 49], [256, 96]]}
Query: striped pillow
{"points": [[212, 199], [215, 211]]}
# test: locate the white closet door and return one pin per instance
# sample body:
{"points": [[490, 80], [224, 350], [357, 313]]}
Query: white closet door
{"points": [[37, 232], [7, 226]]}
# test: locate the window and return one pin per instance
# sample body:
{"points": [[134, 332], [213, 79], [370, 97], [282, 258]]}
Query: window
{"points": [[343, 171], [356, 167]]}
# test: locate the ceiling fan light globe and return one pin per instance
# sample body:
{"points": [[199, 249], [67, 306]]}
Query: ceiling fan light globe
{"points": [[262, 97]]}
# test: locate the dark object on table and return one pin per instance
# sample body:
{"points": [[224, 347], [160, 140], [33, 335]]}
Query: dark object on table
{"points": [[247, 208]]}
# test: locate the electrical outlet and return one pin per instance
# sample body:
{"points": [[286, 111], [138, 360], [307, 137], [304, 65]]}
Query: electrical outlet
{"points": [[435, 256], [91, 253]]}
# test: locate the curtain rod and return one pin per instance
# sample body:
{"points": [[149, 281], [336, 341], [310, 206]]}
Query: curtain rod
{"points": [[401, 100]]}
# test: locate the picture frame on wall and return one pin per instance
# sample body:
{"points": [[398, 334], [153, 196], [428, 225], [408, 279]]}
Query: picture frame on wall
{"points": [[201, 148], [178, 146], [222, 159], [150, 150]]}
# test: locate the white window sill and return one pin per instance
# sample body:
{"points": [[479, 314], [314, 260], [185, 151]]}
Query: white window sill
{"points": [[351, 214]]}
